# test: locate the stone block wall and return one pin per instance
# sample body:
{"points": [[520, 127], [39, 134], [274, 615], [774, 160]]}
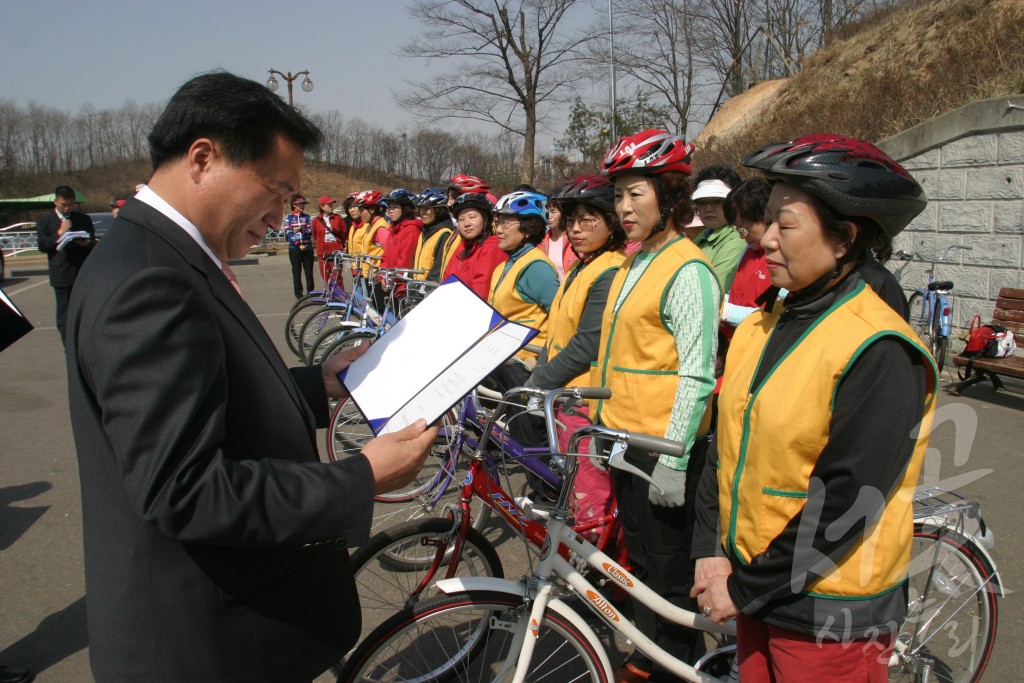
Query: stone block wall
{"points": [[971, 164]]}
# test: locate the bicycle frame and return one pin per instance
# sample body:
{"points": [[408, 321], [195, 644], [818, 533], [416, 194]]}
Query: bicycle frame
{"points": [[565, 550]]}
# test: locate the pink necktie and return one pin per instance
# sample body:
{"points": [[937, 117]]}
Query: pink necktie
{"points": [[232, 278]]}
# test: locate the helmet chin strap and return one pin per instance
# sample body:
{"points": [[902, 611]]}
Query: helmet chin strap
{"points": [[665, 213]]}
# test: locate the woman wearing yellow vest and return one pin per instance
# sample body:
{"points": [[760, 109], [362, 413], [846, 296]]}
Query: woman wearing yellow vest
{"points": [[431, 204], [656, 354], [522, 289], [377, 231], [805, 525], [597, 240]]}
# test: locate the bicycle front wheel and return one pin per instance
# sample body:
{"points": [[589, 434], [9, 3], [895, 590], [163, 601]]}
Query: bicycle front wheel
{"points": [[391, 567], [952, 612], [921, 317], [939, 342], [468, 637]]}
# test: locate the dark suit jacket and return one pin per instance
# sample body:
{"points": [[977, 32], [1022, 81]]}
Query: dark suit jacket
{"points": [[64, 264], [214, 539]]}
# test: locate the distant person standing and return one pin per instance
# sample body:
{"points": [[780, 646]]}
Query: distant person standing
{"points": [[330, 234], [298, 228], [115, 206], [66, 237]]}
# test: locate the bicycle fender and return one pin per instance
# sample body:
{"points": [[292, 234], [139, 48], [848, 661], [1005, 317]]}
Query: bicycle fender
{"points": [[480, 583], [976, 546]]}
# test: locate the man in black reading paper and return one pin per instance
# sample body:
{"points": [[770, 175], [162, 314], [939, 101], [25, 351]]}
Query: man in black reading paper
{"points": [[66, 237], [215, 540]]}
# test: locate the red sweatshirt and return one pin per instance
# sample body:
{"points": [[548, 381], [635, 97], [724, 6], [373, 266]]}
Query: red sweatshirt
{"points": [[400, 249], [475, 263]]}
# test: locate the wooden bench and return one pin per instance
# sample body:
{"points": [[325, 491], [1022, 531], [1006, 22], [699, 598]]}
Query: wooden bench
{"points": [[1009, 313]]}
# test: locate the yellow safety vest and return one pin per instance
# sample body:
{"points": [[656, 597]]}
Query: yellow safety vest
{"points": [[567, 306], [369, 247], [450, 249], [425, 250], [637, 358], [355, 238], [769, 441], [506, 300]]}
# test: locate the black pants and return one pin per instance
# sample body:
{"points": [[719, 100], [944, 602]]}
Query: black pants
{"points": [[63, 296], [302, 260], [658, 541]]}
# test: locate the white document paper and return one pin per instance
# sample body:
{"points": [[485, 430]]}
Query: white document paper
{"points": [[431, 358]]}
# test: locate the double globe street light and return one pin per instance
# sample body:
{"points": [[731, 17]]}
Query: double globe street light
{"points": [[272, 83]]}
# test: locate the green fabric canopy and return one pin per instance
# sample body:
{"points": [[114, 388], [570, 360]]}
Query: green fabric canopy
{"points": [[32, 203]]}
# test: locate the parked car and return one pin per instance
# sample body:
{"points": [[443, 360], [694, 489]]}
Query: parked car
{"points": [[101, 221]]}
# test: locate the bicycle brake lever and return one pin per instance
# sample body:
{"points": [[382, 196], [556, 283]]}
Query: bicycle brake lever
{"points": [[617, 459]]}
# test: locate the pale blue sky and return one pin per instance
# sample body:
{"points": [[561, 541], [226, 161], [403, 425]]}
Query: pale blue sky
{"points": [[64, 54]]}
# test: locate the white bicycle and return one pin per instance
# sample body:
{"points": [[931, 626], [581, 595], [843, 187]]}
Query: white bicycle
{"points": [[534, 629]]}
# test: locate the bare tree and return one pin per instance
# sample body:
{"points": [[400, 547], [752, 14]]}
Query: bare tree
{"points": [[725, 30], [431, 152], [515, 57], [658, 51]]}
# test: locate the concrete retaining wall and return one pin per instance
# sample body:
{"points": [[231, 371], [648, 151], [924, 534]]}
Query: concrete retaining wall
{"points": [[971, 164]]}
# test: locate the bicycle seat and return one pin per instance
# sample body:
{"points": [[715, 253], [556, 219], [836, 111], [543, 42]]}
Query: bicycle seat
{"points": [[944, 285]]}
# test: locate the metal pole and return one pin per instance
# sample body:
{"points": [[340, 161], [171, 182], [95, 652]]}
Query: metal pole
{"points": [[614, 134]]}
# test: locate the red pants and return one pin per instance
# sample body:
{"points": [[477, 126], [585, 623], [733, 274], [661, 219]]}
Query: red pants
{"points": [[768, 654], [592, 497]]}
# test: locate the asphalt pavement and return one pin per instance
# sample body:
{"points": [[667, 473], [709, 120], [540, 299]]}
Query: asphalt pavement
{"points": [[976, 448]]}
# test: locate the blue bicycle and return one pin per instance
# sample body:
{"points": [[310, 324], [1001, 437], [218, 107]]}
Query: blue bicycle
{"points": [[931, 308]]}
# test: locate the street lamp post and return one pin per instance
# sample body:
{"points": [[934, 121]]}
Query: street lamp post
{"points": [[272, 84]]}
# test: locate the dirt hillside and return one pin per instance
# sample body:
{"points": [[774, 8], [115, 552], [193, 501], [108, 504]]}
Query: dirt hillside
{"points": [[894, 70]]}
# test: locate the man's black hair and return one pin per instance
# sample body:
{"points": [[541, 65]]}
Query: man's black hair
{"points": [[718, 172], [64, 192], [241, 115]]}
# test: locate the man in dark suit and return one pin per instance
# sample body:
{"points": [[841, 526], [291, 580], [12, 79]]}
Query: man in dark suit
{"points": [[215, 541], [65, 257]]}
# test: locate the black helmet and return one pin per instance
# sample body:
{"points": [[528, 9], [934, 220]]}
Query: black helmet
{"points": [[593, 190], [853, 177], [471, 200]]}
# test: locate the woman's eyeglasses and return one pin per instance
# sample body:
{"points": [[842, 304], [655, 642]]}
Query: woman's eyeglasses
{"points": [[585, 223]]}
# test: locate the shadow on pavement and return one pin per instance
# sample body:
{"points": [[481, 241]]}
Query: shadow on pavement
{"points": [[15, 521], [57, 637]]}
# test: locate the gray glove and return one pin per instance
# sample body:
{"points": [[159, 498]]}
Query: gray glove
{"points": [[674, 484]]}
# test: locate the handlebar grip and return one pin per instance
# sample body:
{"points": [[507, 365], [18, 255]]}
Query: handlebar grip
{"points": [[595, 393], [656, 444]]}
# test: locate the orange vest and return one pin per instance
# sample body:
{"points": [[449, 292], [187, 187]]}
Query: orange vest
{"points": [[769, 440], [506, 300], [567, 306]]}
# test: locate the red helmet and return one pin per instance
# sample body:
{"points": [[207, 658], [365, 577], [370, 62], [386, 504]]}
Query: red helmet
{"points": [[369, 198], [649, 152], [468, 184], [851, 176]]}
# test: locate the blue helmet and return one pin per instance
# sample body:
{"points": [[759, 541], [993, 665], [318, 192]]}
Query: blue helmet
{"points": [[400, 197], [523, 204], [432, 196]]}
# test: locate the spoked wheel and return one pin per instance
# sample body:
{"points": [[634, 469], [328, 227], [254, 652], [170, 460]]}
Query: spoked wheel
{"points": [[921, 318], [434, 488], [302, 311], [952, 613], [468, 637], [395, 568]]}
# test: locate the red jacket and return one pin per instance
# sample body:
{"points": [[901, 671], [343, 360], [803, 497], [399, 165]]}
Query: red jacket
{"points": [[475, 263], [751, 279], [400, 249], [328, 238]]}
